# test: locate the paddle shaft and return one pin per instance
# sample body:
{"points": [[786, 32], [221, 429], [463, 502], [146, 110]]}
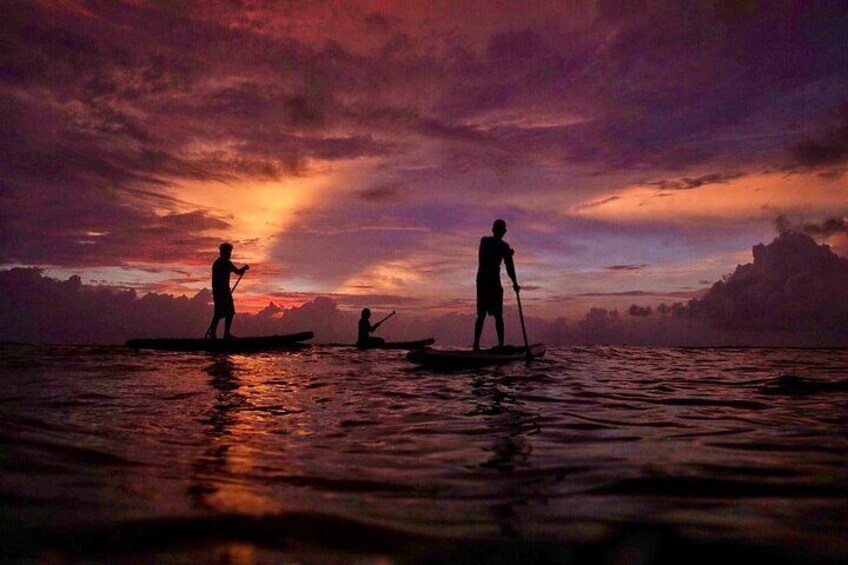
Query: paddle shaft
{"points": [[232, 290], [386, 318], [523, 329]]}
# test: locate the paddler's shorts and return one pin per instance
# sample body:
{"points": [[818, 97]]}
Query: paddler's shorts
{"points": [[224, 306], [489, 300]]}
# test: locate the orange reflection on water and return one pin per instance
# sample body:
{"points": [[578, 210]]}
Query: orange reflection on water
{"points": [[231, 471]]}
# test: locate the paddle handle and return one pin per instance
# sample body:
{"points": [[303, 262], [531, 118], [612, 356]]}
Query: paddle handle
{"points": [[386, 318]]}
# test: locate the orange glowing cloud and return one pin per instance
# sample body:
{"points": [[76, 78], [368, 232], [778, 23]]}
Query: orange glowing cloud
{"points": [[764, 195]]}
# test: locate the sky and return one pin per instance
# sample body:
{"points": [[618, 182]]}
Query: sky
{"points": [[359, 150]]}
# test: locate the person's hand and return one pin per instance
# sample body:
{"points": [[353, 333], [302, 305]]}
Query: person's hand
{"points": [[247, 267]]}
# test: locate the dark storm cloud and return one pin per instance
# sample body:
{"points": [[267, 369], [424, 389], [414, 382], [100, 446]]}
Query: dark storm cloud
{"points": [[697, 182], [793, 284], [106, 235], [96, 107], [625, 267], [251, 101], [525, 54], [782, 224], [644, 81], [828, 149], [825, 229], [683, 76], [383, 193], [639, 311]]}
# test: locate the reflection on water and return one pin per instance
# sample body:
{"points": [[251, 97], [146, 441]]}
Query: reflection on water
{"points": [[210, 469], [357, 452], [510, 449]]}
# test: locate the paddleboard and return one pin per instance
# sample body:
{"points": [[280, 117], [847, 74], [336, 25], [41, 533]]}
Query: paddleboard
{"points": [[421, 343], [237, 345], [417, 344], [462, 359]]}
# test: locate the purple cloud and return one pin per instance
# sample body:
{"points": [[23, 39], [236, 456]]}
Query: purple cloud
{"points": [[829, 149], [433, 126], [696, 182], [794, 284], [825, 229]]}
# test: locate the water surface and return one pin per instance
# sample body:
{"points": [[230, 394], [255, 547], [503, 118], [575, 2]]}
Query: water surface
{"points": [[333, 454]]}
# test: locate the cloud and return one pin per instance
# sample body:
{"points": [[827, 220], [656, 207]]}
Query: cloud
{"points": [[791, 295], [45, 310], [377, 22], [832, 230], [782, 224], [103, 234], [643, 293], [830, 148], [690, 183], [794, 284], [98, 111], [827, 228], [118, 116], [639, 311], [384, 193], [408, 243], [626, 267], [598, 203]]}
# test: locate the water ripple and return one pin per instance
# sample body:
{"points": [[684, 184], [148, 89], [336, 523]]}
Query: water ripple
{"points": [[587, 440]]}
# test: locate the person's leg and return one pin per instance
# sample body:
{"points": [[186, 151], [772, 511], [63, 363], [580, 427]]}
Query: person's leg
{"points": [[481, 316], [499, 327], [228, 323], [370, 341], [478, 330], [497, 300], [213, 327]]}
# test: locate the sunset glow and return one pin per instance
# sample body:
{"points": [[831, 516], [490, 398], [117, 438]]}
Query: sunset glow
{"points": [[361, 149]]}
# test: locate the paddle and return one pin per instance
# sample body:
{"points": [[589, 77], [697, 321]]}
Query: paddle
{"points": [[232, 290], [386, 318], [523, 329]]}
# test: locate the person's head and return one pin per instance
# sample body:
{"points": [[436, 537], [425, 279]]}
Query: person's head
{"points": [[499, 228], [366, 313], [226, 250]]}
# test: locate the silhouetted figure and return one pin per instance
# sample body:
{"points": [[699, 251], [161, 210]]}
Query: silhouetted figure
{"points": [[493, 250], [364, 338], [221, 293]]}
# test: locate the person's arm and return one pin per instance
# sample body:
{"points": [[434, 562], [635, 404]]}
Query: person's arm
{"points": [[510, 267], [233, 268]]}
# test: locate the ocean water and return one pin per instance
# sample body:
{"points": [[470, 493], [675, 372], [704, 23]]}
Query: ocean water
{"points": [[333, 455]]}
